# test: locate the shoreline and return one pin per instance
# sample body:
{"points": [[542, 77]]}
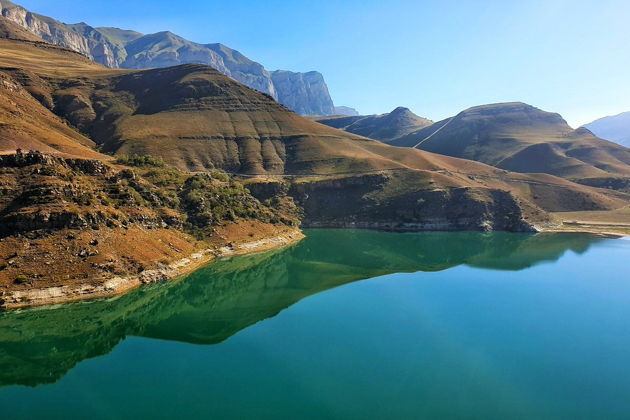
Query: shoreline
{"points": [[116, 286]]}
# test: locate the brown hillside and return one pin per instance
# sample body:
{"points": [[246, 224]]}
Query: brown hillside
{"points": [[521, 138], [26, 124], [386, 127]]}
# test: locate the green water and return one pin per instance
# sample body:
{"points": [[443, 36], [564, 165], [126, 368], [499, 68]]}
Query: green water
{"points": [[347, 325]]}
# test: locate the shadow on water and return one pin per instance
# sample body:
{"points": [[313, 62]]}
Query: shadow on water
{"points": [[40, 346]]}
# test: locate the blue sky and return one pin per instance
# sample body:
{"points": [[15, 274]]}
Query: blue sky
{"points": [[435, 57]]}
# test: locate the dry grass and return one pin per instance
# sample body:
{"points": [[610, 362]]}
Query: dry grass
{"points": [[521, 138], [615, 222]]}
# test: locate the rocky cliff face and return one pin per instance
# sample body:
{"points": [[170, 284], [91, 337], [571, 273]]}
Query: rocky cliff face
{"points": [[165, 49], [367, 202], [304, 93]]}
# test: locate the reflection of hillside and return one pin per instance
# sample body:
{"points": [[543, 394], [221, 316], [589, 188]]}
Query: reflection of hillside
{"points": [[40, 346]]}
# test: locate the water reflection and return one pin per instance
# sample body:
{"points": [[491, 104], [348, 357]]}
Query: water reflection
{"points": [[39, 346]]}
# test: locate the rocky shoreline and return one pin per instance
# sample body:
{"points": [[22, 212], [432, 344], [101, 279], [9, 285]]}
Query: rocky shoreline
{"points": [[119, 285]]}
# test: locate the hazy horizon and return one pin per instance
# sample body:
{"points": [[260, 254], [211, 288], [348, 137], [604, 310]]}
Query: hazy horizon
{"points": [[436, 58]]}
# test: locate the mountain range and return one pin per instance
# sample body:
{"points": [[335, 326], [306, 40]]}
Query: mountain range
{"points": [[304, 93], [614, 128]]}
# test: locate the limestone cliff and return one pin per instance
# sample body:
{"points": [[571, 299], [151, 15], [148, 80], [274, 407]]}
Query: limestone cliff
{"points": [[305, 93]]}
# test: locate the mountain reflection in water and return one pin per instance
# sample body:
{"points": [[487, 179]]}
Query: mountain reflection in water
{"points": [[40, 346]]}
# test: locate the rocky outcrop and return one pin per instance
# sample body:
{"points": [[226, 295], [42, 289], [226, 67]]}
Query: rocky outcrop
{"points": [[116, 227], [364, 202], [304, 93], [369, 202]]}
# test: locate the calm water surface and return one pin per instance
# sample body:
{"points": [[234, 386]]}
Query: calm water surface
{"points": [[348, 325]]}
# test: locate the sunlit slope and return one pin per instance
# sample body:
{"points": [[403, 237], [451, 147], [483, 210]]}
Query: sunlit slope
{"points": [[25, 123], [521, 138]]}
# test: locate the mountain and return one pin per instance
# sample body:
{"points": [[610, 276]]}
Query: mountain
{"points": [[614, 128], [26, 120], [386, 127], [521, 138], [305, 93], [346, 110]]}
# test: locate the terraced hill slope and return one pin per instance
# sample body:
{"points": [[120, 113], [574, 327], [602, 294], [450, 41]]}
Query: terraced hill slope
{"points": [[518, 137]]}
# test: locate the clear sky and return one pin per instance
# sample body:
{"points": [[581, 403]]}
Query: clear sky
{"points": [[436, 57]]}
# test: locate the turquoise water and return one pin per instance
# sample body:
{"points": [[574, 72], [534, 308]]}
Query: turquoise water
{"points": [[348, 325]]}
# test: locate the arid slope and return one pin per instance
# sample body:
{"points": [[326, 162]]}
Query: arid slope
{"points": [[386, 127], [520, 138]]}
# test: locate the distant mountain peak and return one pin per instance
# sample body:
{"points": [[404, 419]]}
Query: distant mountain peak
{"points": [[615, 128], [346, 110]]}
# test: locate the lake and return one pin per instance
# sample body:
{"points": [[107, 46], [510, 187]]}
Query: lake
{"points": [[344, 325]]}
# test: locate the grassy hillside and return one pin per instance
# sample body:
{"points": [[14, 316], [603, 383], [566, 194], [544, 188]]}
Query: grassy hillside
{"points": [[518, 137], [386, 127]]}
